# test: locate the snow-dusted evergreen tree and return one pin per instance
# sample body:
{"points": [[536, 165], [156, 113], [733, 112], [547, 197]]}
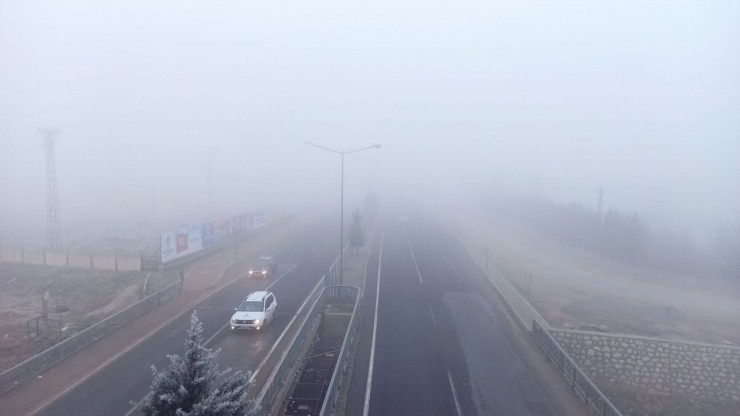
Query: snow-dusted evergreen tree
{"points": [[185, 387], [356, 234]]}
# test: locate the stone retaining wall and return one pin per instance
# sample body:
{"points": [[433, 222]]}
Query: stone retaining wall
{"points": [[656, 367]]}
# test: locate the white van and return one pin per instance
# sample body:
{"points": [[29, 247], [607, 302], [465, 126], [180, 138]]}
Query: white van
{"points": [[255, 311]]}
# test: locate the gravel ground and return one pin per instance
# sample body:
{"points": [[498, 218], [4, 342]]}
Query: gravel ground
{"points": [[90, 295]]}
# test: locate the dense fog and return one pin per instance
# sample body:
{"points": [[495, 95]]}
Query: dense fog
{"points": [[525, 100]]}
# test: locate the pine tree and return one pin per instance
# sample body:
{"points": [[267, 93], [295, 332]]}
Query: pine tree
{"points": [[185, 387], [356, 234]]}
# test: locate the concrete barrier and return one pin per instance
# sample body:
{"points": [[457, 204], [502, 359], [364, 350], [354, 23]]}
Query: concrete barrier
{"points": [[129, 263], [12, 255], [56, 259], [104, 262], [33, 257], [81, 260]]}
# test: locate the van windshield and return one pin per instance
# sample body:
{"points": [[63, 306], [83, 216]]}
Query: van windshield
{"points": [[251, 306]]}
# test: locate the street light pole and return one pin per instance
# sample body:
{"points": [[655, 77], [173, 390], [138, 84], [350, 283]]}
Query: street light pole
{"points": [[341, 193], [341, 227]]}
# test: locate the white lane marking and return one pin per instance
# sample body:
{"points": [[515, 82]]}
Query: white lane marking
{"points": [[208, 341], [367, 262], [369, 385], [412, 255], [285, 331], [431, 313], [454, 394], [314, 249], [283, 275], [458, 273], [136, 407]]}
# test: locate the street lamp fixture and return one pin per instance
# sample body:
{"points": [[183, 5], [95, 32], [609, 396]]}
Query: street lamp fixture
{"points": [[341, 215]]}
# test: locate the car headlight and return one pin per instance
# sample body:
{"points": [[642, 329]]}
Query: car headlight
{"points": [[233, 320], [256, 321], [251, 271], [264, 271]]}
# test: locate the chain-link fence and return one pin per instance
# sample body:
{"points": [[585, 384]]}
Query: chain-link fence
{"points": [[48, 358], [582, 385]]}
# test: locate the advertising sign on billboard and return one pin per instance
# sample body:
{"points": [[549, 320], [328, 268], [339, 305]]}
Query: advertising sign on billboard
{"points": [[181, 242], [243, 223], [261, 218], [216, 231], [277, 214], [184, 241]]}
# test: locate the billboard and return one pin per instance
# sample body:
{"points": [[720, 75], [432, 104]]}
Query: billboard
{"points": [[261, 218], [217, 231], [181, 242], [277, 214], [185, 241], [243, 223]]}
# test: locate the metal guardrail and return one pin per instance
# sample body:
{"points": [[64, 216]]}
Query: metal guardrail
{"points": [[265, 400], [333, 274], [50, 357], [582, 385], [349, 338]]}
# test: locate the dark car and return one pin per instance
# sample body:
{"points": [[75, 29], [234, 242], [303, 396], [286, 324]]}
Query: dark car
{"points": [[264, 267]]}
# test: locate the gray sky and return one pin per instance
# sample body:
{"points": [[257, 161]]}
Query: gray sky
{"points": [[553, 99]]}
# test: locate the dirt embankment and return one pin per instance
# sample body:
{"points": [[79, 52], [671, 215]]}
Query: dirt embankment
{"points": [[576, 289], [84, 297]]}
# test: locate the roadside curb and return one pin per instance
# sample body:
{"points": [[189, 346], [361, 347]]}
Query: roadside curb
{"points": [[460, 235]]}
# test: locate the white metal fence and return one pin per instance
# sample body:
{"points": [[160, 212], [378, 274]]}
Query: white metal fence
{"points": [[582, 385], [48, 358]]}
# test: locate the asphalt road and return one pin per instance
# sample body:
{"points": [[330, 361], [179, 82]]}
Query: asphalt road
{"points": [[114, 389], [440, 348]]}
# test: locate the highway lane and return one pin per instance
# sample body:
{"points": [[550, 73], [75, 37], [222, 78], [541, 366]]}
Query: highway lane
{"points": [[112, 390], [440, 348]]}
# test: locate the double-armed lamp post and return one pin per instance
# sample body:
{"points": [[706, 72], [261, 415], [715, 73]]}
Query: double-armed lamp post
{"points": [[341, 215]]}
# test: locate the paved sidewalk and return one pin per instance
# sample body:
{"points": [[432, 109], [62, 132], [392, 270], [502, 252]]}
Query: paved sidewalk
{"points": [[201, 280]]}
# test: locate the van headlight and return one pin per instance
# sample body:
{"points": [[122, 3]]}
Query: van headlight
{"points": [[256, 321], [251, 271], [233, 320], [264, 271]]}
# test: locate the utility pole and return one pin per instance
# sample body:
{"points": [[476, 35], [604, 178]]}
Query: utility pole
{"points": [[210, 187], [53, 233], [488, 249], [151, 212]]}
